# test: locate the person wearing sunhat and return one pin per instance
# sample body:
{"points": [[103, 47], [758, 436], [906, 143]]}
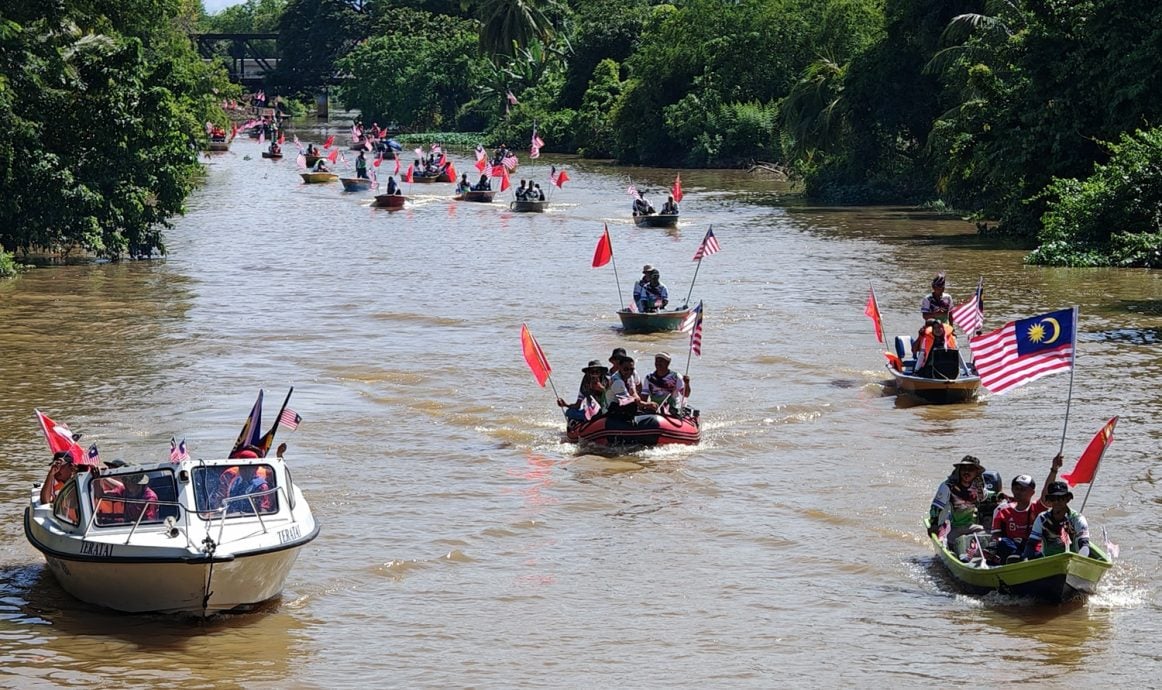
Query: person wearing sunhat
{"points": [[591, 399], [1058, 529], [957, 498], [665, 387], [937, 305]]}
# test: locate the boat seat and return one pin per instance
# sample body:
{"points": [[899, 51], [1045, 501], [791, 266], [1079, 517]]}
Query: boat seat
{"points": [[903, 347], [941, 364]]}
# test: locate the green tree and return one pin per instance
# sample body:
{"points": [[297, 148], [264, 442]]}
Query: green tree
{"points": [[509, 25], [313, 35]]}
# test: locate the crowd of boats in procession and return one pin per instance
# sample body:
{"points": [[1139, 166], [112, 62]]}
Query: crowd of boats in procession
{"points": [[180, 535]]}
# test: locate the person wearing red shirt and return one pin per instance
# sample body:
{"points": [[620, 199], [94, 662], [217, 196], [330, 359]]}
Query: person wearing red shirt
{"points": [[1013, 521]]}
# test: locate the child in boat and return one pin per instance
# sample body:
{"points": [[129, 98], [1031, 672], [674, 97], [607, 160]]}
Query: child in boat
{"points": [[1058, 529]]}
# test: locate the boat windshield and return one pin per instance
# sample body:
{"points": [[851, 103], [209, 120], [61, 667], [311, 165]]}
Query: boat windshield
{"points": [[130, 498], [241, 489]]}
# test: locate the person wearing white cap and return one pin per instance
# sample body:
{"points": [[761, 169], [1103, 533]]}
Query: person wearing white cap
{"points": [[1013, 521], [665, 387]]}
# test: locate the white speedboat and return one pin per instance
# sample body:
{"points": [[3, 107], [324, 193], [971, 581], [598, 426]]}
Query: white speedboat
{"points": [[194, 537]]}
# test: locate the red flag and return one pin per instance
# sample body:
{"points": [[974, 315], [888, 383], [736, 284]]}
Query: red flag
{"points": [[378, 160], [559, 178], [1086, 467], [233, 130], [677, 189], [872, 311], [452, 172], [333, 156], [480, 164], [604, 251], [504, 181], [497, 171], [397, 165], [281, 138], [60, 439], [330, 140], [408, 176], [534, 355]]}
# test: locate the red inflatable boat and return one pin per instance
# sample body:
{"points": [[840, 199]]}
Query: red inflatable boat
{"points": [[642, 430]]}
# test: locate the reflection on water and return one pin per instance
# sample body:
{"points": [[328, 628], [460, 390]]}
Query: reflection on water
{"points": [[471, 546]]}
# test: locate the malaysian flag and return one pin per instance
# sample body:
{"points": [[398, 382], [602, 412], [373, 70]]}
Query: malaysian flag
{"points": [[536, 145], [177, 451], [436, 148], [591, 407], [290, 419], [94, 456], [693, 325], [480, 152], [969, 317], [510, 161], [1025, 350], [632, 192], [709, 245], [419, 151]]}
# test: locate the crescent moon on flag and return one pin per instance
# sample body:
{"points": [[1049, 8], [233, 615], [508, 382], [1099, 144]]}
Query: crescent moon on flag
{"points": [[1056, 330]]}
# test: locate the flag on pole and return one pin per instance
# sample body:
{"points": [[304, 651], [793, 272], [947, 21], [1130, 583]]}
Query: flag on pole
{"points": [[481, 164], [969, 317], [504, 183], [93, 455], [709, 245], [872, 311], [408, 176], [604, 252], [330, 140], [290, 419], [534, 356], [251, 434], [452, 172], [281, 138], [510, 161], [633, 192], [1086, 468], [677, 189], [536, 145], [480, 152], [591, 407], [1025, 350], [558, 177], [693, 325], [177, 451], [397, 165], [261, 137], [60, 439], [333, 156], [301, 161]]}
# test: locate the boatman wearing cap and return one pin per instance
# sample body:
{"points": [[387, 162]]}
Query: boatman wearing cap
{"points": [[1058, 529], [1013, 521], [665, 387], [937, 305], [958, 498], [652, 294]]}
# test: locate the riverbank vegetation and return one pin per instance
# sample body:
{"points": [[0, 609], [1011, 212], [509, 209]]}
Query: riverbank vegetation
{"points": [[102, 112]]}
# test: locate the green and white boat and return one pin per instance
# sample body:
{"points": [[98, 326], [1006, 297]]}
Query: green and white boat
{"points": [[651, 322], [1053, 578]]}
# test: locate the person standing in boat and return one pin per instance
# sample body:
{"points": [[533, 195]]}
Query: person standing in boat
{"points": [[1058, 528], [937, 305], [392, 187], [1013, 521], [670, 208], [957, 499], [665, 387], [653, 296], [361, 166], [591, 396]]}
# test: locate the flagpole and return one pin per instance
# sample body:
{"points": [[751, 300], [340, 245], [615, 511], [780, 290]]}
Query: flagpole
{"points": [[1069, 398], [691, 292], [549, 378], [689, 352], [613, 257], [1093, 479]]}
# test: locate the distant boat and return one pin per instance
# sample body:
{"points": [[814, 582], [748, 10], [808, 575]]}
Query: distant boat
{"points": [[355, 184], [479, 196], [219, 145], [657, 220], [392, 202], [428, 179], [651, 322], [945, 378], [318, 177], [526, 206]]}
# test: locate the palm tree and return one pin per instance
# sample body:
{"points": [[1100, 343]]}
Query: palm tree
{"points": [[814, 109], [508, 26]]}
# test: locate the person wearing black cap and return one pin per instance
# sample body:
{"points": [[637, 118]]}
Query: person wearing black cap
{"points": [[1013, 521], [590, 396], [937, 305], [957, 499], [1058, 529], [63, 468]]}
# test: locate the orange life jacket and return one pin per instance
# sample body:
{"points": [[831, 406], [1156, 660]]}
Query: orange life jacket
{"points": [[928, 338]]}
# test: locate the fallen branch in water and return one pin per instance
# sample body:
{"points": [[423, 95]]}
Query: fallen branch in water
{"points": [[781, 171]]}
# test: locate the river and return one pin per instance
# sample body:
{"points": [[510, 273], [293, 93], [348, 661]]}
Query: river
{"points": [[464, 545]]}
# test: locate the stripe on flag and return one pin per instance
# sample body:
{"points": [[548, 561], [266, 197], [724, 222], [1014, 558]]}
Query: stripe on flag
{"points": [[709, 245], [290, 419], [969, 317]]}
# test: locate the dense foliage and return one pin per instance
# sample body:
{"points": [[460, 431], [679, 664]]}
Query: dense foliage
{"points": [[102, 107]]}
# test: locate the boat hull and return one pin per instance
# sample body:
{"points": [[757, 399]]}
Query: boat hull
{"points": [[528, 206], [318, 177], [429, 179], [1056, 578], [644, 430], [355, 184], [389, 201], [656, 220], [476, 196], [651, 322], [219, 146], [268, 154]]}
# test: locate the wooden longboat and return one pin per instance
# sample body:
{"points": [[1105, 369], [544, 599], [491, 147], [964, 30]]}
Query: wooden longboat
{"points": [[392, 202], [479, 196], [657, 220], [651, 322], [318, 177]]}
